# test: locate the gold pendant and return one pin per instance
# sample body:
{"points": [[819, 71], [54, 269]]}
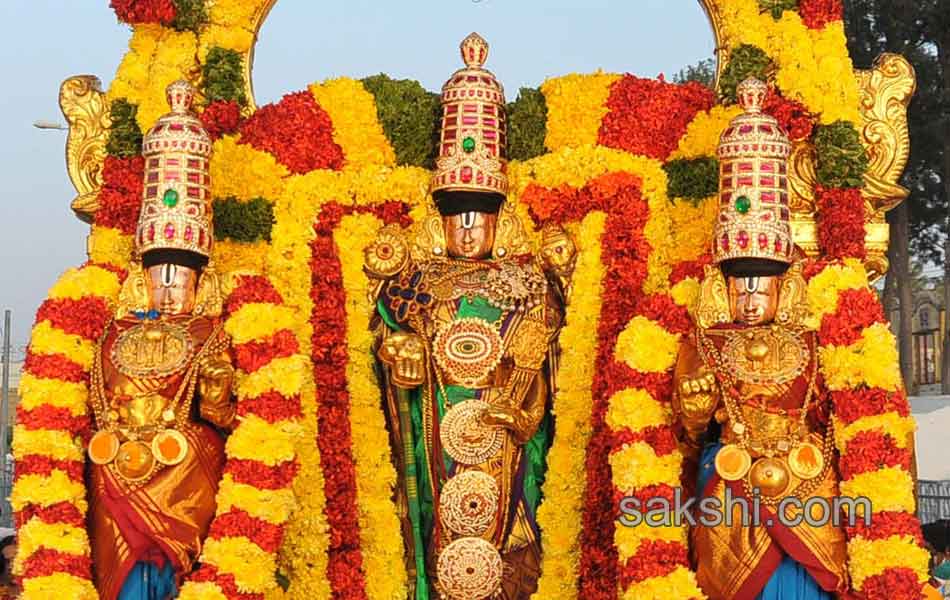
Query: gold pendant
{"points": [[732, 462], [806, 461], [134, 461], [470, 568], [103, 447], [765, 356], [465, 437], [468, 350], [769, 476], [169, 447], [152, 350], [468, 503]]}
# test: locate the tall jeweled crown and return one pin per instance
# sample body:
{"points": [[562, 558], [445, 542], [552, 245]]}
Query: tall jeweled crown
{"points": [[753, 184], [472, 144], [176, 200]]}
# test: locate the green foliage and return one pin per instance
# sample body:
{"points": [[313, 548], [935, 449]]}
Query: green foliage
{"points": [[125, 137], [190, 15], [410, 116], [842, 160], [777, 7], [223, 73], [527, 124], [703, 72], [745, 61], [693, 179], [250, 221]]}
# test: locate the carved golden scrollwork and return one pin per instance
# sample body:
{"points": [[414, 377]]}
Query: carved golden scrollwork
{"points": [[87, 112], [886, 91]]}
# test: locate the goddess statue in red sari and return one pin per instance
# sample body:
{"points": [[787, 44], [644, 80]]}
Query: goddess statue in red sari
{"points": [[161, 383]]}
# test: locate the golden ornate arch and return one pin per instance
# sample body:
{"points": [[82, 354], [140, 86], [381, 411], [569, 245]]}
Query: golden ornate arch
{"points": [[886, 91]]}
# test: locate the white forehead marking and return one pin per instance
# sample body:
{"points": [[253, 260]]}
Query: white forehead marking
{"points": [[468, 220], [168, 274]]}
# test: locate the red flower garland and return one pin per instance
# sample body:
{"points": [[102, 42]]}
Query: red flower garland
{"points": [[625, 254], [818, 13], [120, 198], [857, 310], [328, 318], [270, 406], [221, 117], [792, 116], [649, 116], [134, 12], [297, 131], [840, 222]]}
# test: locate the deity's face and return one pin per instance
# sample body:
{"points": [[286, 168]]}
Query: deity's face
{"points": [[470, 234], [753, 300], [172, 288]]}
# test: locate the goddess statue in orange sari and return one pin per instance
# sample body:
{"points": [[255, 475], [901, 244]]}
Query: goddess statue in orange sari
{"points": [[161, 383], [748, 394]]}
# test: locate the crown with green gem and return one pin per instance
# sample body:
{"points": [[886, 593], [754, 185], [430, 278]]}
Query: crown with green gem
{"points": [[754, 209], [473, 138], [176, 195]]}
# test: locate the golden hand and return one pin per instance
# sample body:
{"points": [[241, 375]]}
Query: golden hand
{"points": [[696, 400], [515, 420], [216, 369], [215, 377], [405, 354]]}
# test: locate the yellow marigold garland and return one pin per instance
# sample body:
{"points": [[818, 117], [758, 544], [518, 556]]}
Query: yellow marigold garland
{"points": [[576, 104], [559, 515], [356, 127]]}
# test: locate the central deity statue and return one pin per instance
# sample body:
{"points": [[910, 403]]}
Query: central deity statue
{"points": [[161, 383], [467, 323], [748, 394]]}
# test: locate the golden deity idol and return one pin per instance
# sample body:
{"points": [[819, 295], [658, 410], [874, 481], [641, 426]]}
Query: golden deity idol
{"points": [[467, 322], [161, 382], [747, 392]]}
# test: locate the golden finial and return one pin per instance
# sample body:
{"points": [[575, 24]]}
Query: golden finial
{"points": [[474, 51], [752, 93]]}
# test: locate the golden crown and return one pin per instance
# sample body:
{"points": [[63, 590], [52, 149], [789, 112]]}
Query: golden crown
{"points": [[474, 128], [176, 199], [753, 184]]}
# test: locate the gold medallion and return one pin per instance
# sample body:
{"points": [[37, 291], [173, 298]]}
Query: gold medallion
{"points": [[468, 504], [468, 350], [770, 355], [134, 461], [806, 461], [103, 447], [155, 349], [769, 476], [465, 437], [732, 462], [169, 447], [470, 568]]}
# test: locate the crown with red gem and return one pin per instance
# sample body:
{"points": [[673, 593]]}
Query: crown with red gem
{"points": [[176, 199], [474, 128], [754, 212]]}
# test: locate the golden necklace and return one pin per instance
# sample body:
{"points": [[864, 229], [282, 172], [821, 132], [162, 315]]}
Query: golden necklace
{"points": [[768, 474]]}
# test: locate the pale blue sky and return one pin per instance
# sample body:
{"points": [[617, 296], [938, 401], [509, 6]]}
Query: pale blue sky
{"points": [[46, 41]]}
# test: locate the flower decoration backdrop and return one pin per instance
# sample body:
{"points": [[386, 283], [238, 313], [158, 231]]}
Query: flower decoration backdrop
{"points": [[301, 186]]}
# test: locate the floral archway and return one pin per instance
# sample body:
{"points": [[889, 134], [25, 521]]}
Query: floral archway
{"points": [[301, 186]]}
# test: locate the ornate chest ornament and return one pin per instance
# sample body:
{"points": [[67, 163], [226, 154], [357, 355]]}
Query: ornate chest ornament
{"points": [[465, 437], [468, 503], [470, 568], [506, 285], [765, 356], [153, 349], [468, 350]]}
